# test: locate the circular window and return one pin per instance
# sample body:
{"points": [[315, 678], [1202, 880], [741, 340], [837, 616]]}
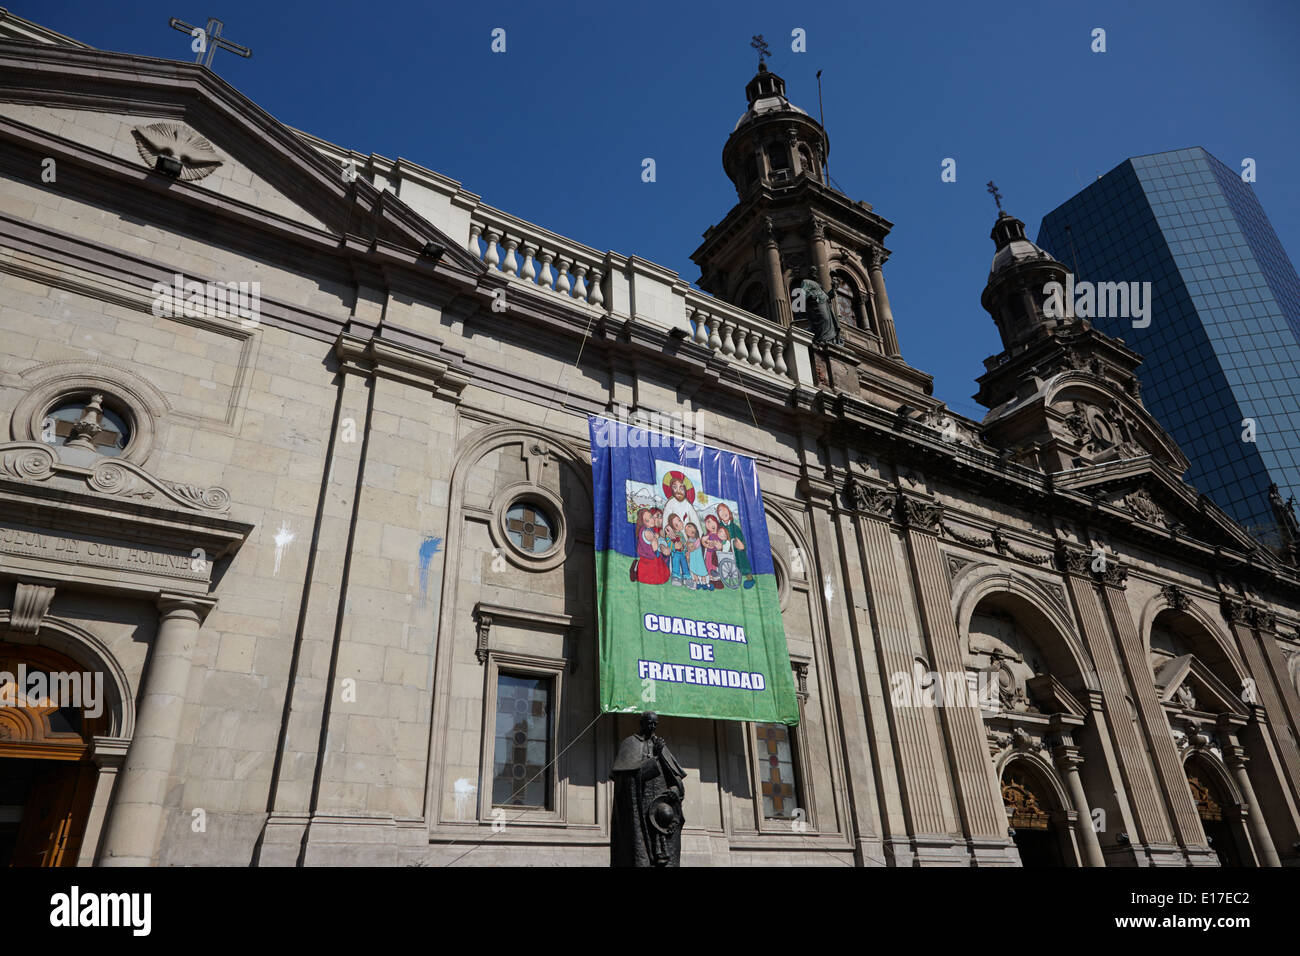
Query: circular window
{"points": [[530, 528], [89, 421]]}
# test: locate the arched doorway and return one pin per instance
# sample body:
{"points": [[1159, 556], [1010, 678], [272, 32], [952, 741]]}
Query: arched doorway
{"points": [[1035, 822], [51, 708], [1220, 814]]}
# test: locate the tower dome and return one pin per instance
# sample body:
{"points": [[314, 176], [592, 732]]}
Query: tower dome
{"points": [[774, 143]]}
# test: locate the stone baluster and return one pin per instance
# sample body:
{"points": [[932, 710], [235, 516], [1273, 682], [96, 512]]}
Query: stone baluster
{"points": [[728, 343], [491, 256], [596, 296], [755, 357], [701, 336], [562, 285], [544, 278], [511, 263], [579, 285], [472, 245], [766, 349], [529, 271], [715, 340], [778, 358]]}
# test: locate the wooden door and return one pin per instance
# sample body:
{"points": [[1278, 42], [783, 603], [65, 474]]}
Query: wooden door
{"points": [[55, 816]]}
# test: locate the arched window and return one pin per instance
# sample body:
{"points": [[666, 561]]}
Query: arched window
{"points": [[754, 300], [808, 164], [845, 301]]}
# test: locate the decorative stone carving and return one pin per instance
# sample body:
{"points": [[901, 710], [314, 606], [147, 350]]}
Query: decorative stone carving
{"points": [[955, 565], [31, 602], [1072, 560], [197, 156], [1176, 597], [483, 626], [974, 540], [923, 515], [1141, 505], [1057, 593], [1263, 619], [1004, 547], [1077, 423], [27, 461], [871, 500], [1114, 574], [210, 499], [1234, 610], [800, 669]]}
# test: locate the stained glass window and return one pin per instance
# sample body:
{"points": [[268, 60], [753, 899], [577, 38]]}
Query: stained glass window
{"points": [[529, 528], [523, 742], [776, 771]]}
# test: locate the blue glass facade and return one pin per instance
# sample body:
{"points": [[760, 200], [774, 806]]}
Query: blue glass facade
{"points": [[1223, 344]]}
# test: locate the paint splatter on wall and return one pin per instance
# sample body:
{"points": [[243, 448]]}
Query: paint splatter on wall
{"points": [[428, 548]]}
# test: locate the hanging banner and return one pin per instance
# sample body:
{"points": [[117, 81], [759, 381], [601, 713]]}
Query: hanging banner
{"points": [[690, 620]]}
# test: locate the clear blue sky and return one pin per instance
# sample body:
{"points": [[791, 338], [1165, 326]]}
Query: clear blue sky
{"points": [[554, 130]]}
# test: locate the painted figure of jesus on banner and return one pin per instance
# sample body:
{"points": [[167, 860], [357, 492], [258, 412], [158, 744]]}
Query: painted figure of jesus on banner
{"points": [[690, 619]]}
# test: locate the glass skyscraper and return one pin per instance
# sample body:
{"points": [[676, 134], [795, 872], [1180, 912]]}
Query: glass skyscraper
{"points": [[1223, 343]]}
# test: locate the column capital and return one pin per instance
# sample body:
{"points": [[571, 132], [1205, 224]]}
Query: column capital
{"points": [[920, 515], [172, 605]]}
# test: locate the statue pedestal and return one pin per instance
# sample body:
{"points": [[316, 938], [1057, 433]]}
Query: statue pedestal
{"points": [[835, 368]]}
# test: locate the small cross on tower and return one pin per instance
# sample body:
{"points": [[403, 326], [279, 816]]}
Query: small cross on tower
{"points": [[759, 44], [997, 196], [208, 40]]}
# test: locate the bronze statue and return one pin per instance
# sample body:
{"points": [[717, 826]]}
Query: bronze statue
{"points": [[821, 317], [646, 827]]}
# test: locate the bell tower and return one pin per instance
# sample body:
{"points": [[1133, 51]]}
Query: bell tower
{"points": [[1061, 395], [790, 225]]}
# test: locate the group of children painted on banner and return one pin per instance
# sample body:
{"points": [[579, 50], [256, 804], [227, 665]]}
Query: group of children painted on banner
{"points": [[672, 546]]}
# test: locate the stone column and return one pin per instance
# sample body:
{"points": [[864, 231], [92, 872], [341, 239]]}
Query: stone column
{"points": [[821, 255], [1235, 757], [979, 796], [884, 315], [862, 822], [926, 803], [1151, 716], [108, 754], [135, 821], [1067, 761], [1138, 786], [775, 279]]}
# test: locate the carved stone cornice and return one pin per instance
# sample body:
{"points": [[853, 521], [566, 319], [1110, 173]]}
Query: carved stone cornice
{"points": [[920, 515], [486, 615]]}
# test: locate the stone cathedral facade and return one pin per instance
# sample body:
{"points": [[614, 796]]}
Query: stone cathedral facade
{"points": [[294, 471]]}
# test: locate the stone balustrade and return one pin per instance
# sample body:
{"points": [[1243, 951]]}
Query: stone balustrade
{"points": [[744, 337], [630, 287], [538, 256]]}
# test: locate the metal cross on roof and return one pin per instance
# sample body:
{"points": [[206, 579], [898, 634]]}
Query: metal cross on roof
{"points": [[208, 40], [997, 196], [759, 44]]}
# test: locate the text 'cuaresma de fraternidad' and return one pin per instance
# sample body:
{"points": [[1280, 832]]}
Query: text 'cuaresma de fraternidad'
{"points": [[700, 630]]}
